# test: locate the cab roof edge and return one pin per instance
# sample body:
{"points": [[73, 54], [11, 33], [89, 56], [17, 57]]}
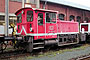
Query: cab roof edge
{"points": [[34, 8]]}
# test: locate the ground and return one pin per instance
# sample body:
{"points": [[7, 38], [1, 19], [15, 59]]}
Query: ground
{"points": [[63, 54], [66, 54]]}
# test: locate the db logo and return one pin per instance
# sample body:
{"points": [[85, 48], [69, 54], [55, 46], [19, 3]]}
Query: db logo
{"points": [[51, 27]]}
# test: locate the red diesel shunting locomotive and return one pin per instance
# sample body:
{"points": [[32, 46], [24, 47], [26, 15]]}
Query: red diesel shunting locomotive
{"points": [[39, 27]]}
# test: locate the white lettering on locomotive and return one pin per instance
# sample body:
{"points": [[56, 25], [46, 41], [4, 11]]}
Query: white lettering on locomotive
{"points": [[51, 28]]}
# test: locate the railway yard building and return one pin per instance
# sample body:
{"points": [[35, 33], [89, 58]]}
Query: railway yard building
{"points": [[67, 10]]}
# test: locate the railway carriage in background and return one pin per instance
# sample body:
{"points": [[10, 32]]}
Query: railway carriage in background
{"points": [[38, 27]]}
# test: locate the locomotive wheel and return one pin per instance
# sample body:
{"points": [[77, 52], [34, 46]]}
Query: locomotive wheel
{"points": [[30, 45]]}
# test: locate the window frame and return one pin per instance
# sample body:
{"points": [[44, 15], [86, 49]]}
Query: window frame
{"points": [[29, 17], [42, 19], [50, 15], [78, 18], [21, 18], [72, 16], [2, 18]]}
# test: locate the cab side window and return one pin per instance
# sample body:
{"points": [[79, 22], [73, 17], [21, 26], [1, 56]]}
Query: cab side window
{"points": [[51, 17], [40, 18], [19, 18]]}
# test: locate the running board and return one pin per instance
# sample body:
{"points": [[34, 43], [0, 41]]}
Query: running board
{"points": [[67, 44], [38, 47], [37, 43]]}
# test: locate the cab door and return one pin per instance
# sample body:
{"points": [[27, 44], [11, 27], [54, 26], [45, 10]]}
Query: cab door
{"points": [[40, 24], [51, 25]]}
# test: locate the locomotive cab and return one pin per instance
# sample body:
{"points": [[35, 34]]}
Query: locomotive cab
{"points": [[25, 21], [37, 23], [36, 26]]}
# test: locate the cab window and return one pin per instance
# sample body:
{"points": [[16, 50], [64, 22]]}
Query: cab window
{"points": [[50, 17], [40, 18], [19, 18], [29, 16]]}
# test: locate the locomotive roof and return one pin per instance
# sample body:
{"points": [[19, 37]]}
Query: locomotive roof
{"points": [[67, 3], [45, 10]]}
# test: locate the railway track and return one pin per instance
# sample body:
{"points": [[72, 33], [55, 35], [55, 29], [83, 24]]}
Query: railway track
{"points": [[84, 58], [21, 53], [12, 54]]}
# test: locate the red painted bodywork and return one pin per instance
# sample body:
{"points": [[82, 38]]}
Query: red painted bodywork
{"points": [[60, 27], [67, 26]]}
